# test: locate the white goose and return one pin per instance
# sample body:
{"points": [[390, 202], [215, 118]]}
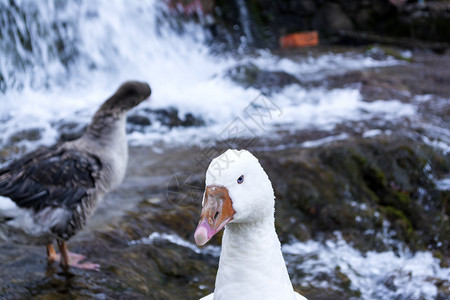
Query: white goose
{"points": [[239, 195]]}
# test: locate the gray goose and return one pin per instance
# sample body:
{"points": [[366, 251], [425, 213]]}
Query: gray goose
{"points": [[56, 189]]}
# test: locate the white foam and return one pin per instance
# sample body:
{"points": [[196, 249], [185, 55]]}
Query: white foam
{"points": [[443, 146], [315, 68], [328, 139], [372, 133], [443, 184], [377, 275], [135, 41], [177, 240]]}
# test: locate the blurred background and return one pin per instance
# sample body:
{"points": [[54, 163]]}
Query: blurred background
{"points": [[346, 103]]}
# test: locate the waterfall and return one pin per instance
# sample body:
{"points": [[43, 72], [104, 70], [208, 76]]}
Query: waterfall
{"points": [[62, 43], [38, 41], [60, 59], [63, 58], [244, 17]]}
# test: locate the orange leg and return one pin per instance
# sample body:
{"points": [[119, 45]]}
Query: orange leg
{"points": [[51, 253], [73, 259]]}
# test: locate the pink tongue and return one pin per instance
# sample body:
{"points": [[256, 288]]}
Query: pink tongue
{"points": [[203, 233]]}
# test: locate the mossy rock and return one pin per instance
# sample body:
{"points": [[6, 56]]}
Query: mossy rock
{"points": [[381, 52], [353, 186]]}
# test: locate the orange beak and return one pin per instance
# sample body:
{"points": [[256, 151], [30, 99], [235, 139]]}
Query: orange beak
{"points": [[216, 213]]}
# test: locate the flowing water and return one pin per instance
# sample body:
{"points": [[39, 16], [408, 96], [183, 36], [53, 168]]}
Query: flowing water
{"points": [[60, 59]]}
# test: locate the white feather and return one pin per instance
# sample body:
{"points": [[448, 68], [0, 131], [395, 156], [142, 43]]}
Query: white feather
{"points": [[23, 224], [251, 264], [6, 204]]}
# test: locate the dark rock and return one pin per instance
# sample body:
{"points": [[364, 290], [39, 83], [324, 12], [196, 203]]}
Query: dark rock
{"points": [[33, 134], [139, 120], [430, 22], [368, 181], [69, 131], [365, 38], [382, 7], [170, 117], [2, 84], [332, 19], [384, 52], [11, 151], [249, 75], [353, 6], [373, 87], [269, 20], [190, 120], [362, 18], [427, 75], [303, 6]]}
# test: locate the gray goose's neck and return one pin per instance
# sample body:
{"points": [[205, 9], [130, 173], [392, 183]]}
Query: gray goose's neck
{"points": [[107, 127], [106, 137]]}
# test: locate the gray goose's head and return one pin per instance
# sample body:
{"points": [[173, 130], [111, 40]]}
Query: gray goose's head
{"points": [[129, 95]]}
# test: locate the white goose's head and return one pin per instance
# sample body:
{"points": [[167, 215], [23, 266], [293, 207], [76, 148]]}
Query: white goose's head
{"points": [[237, 191]]}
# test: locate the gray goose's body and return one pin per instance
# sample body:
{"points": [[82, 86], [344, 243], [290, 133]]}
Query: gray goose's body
{"points": [[56, 189]]}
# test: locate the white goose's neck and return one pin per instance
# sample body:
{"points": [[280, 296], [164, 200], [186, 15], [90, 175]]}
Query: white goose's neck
{"points": [[251, 263]]}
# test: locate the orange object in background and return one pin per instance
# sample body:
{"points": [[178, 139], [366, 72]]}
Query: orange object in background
{"points": [[300, 39]]}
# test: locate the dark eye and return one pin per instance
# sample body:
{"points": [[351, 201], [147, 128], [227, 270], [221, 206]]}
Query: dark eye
{"points": [[240, 179]]}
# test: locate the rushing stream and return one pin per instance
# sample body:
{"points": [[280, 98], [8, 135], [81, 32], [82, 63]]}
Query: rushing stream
{"points": [[60, 59]]}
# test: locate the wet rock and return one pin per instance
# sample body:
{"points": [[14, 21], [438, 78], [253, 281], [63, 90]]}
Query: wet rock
{"points": [[139, 120], [190, 120], [170, 117], [33, 134], [305, 6], [364, 38], [368, 181], [269, 20], [69, 131], [345, 282], [249, 75], [11, 151], [384, 52], [443, 289], [429, 21], [362, 18], [353, 186], [373, 87], [426, 75], [2, 83], [331, 19]]}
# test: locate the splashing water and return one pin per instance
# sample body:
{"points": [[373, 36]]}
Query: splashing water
{"points": [[375, 275], [60, 60]]}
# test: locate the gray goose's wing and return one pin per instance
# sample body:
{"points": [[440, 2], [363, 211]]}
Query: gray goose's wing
{"points": [[52, 178]]}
